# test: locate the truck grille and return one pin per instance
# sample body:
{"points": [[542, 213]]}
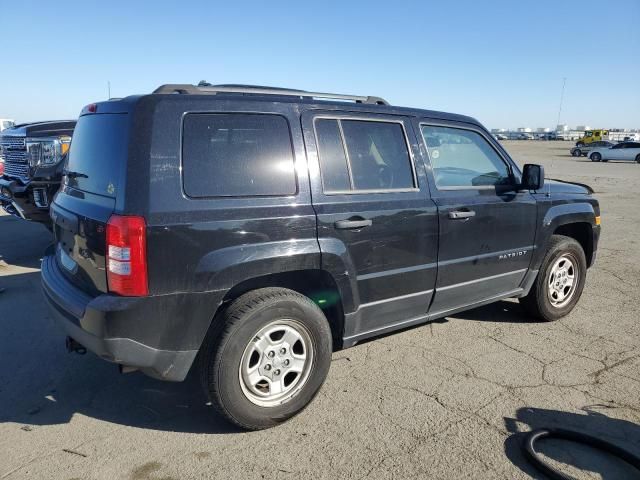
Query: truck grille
{"points": [[20, 170], [13, 151]]}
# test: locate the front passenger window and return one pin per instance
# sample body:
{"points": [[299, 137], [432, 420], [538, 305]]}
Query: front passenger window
{"points": [[463, 158]]}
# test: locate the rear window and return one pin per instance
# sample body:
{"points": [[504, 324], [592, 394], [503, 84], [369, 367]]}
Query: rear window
{"points": [[237, 155], [97, 154]]}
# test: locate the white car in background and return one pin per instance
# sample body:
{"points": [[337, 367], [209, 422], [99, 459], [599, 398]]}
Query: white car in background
{"points": [[622, 151]]}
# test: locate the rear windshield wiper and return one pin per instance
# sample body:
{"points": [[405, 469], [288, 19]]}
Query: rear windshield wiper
{"points": [[71, 174]]}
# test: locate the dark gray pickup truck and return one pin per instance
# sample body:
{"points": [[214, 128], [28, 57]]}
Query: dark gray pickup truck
{"points": [[33, 156]]}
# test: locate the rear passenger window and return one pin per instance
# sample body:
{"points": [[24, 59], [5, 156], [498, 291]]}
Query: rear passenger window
{"points": [[363, 155], [237, 155]]}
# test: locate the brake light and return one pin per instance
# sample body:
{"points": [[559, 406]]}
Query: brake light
{"points": [[127, 256]]}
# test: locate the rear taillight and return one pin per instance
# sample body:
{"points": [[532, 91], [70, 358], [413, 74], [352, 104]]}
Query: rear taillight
{"points": [[1, 168], [127, 256]]}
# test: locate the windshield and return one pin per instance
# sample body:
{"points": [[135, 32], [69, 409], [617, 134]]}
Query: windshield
{"points": [[98, 154]]}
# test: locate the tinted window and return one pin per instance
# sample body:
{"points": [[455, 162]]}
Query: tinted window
{"points": [[333, 161], [98, 153], [378, 155], [463, 158], [237, 155]]}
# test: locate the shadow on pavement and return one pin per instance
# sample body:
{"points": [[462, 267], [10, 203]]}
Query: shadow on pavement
{"points": [[22, 243], [42, 384], [503, 311], [593, 422]]}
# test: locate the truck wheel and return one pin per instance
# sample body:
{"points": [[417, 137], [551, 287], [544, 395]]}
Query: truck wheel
{"points": [[577, 152], [560, 280], [266, 357], [595, 157], [580, 144]]}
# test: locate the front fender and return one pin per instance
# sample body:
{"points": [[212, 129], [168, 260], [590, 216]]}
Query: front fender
{"points": [[557, 216]]}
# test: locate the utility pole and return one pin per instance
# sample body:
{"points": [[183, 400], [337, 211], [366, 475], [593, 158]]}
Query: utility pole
{"points": [[564, 80]]}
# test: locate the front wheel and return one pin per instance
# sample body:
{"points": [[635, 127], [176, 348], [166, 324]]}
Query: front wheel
{"points": [[266, 358], [560, 281], [638, 159], [595, 157]]}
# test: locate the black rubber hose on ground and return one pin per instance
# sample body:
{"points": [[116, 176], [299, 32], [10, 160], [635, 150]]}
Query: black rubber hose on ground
{"points": [[536, 459]]}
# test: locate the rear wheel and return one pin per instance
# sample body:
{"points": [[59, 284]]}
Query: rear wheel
{"points": [[560, 281], [638, 158], [596, 157], [577, 152], [266, 358]]}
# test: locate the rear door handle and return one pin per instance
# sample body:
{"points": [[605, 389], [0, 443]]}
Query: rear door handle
{"points": [[353, 224], [461, 214]]}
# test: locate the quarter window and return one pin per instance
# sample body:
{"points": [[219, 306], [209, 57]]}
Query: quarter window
{"points": [[363, 155], [237, 155], [463, 159]]}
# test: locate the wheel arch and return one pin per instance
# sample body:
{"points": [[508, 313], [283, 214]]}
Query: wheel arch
{"points": [[580, 232], [315, 284], [574, 220]]}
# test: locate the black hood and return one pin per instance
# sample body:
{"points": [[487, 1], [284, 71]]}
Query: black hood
{"points": [[553, 185], [42, 129]]}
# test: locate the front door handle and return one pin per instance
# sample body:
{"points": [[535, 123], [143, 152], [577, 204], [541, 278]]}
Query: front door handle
{"points": [[461, 214], [353, 223]]}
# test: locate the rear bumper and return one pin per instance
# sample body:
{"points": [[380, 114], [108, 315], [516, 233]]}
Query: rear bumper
{"points": [[91, 321]]}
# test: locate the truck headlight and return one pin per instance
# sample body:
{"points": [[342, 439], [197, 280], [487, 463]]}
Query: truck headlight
{"points": [[47, 151]]}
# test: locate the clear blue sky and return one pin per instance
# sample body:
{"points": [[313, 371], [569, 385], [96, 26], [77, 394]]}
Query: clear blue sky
{"points": [[500, 61]]}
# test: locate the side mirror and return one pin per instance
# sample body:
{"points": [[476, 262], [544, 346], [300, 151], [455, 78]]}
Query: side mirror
{"points": [[532, 177]]}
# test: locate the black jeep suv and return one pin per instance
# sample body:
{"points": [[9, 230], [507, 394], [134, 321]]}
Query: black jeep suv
{"points": [[258, 228], [33, 155]]}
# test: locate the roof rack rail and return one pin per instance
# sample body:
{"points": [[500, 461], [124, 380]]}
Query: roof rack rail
{"points": [[248, 89]]}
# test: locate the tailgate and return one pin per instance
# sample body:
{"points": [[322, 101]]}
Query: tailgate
{"points": [[80, 236], [80, 212]]}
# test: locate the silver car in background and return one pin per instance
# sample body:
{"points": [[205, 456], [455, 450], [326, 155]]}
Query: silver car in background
{"points": [[584, 150], [622, 151]]}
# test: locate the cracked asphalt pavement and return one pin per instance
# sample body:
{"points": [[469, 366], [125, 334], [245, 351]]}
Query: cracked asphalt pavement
{"points": [[446, 400]]}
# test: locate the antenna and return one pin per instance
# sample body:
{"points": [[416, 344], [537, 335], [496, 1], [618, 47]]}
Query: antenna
{"points": [[108, 90]]}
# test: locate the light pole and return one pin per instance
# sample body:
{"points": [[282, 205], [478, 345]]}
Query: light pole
{"points": [[564, 80]]}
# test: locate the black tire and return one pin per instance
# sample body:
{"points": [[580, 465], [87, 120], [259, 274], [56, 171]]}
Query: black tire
{"points": [[577, 152], [537, 302], [595, 157], [580, 144], [231, 334], [637, 158]]}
